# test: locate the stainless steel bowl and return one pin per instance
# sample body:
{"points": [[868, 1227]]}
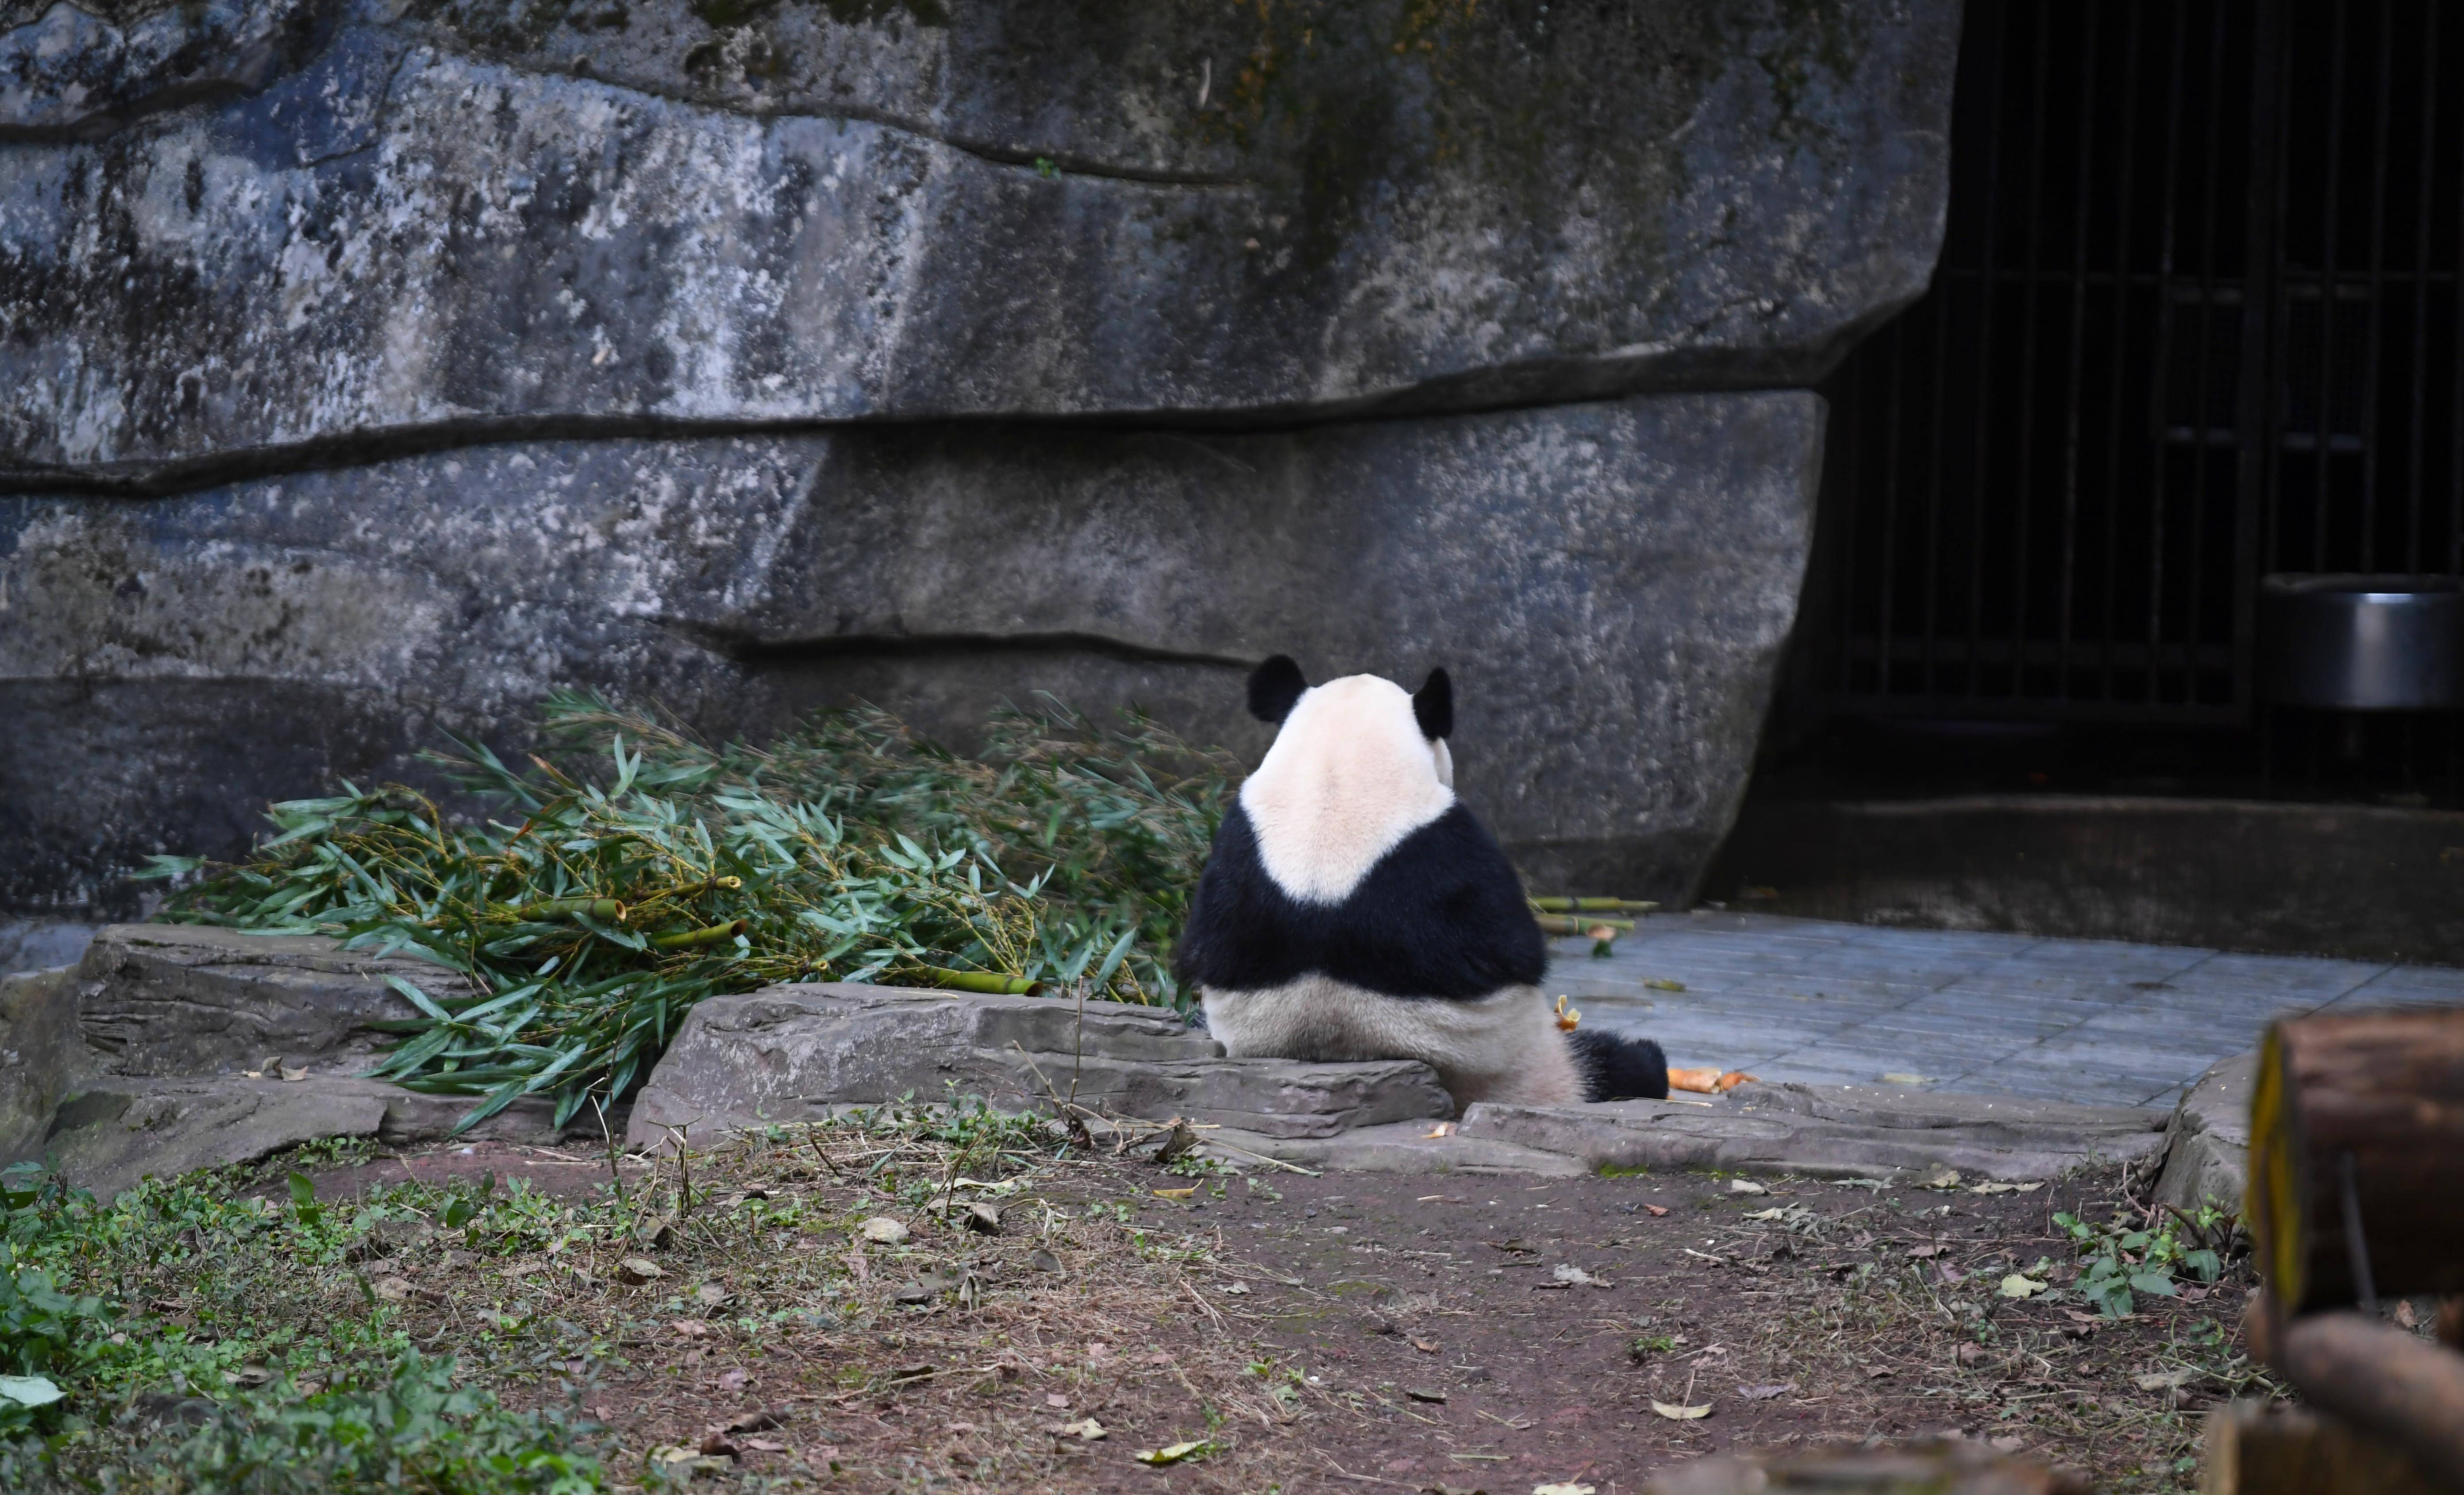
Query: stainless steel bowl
{"points": [[2362, 642]]}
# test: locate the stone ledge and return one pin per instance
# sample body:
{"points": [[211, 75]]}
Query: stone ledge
{"points": [[117, 1129], [787, 1054], [2208, 1139]]}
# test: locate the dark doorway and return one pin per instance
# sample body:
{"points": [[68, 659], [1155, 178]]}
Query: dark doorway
{"points": [[2196, 321]]}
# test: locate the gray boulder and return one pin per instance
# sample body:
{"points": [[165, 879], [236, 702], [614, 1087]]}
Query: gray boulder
{"points": [[185, 1000], [368, 367], [41, 1057], [265, 233], [1610, 582]]}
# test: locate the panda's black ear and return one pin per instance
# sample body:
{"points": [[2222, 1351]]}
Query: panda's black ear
{"points": [[1434, 707], [1274, 686]]}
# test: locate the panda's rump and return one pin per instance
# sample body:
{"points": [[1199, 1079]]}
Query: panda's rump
{"points": [[1503, 1047]]}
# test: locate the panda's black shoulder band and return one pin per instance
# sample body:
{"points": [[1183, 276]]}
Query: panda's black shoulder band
{"points": [[1433, 706], [1274, 687]]}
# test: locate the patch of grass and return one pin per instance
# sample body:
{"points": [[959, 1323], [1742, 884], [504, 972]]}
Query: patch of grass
{"points": [[635, 871], [205, 1340]]}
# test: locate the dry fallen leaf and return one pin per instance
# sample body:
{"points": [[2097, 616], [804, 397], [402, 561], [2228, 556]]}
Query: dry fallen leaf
{"points": [[1174, 1453], [1661, 983], [639, 1269], [1568, 1488], [1576, 1277], [1654, 1211], [2015, 1285], [2167, 1380], [765, 1446], [689, 1328], [1056, 1400], [1237, 1289], [882, 1230], [1443, 1128], [1424, 1346], [1745, 1186], [712, 1293], [1175, 1194], [1765, 1392], [1085, 1430], [2005, 1188], [1927, 1251], [294, 1073], [392, 1289], [1680, 1414]]}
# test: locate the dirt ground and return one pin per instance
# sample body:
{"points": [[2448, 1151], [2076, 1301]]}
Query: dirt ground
{"points": [[1345, 1332]]}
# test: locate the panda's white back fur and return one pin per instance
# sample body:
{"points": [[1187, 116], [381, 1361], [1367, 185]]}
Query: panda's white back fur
{"points": [[1348, 777]]}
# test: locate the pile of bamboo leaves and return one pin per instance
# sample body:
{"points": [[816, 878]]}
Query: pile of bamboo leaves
{"points": [[631, 871]]}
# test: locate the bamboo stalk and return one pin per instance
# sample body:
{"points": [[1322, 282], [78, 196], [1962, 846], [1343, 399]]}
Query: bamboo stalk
{"points": [[1570, 924], [1593, 905], [610, 909], [984, 981], [714, 935]]}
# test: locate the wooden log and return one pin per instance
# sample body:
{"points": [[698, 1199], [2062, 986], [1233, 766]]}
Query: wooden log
{"points": [[2250, 1448], [2404, 1389], [2357, 1131]]}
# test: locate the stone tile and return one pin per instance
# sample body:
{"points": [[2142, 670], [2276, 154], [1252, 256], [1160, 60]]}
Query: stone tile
{"points": [[2067, 1020]]}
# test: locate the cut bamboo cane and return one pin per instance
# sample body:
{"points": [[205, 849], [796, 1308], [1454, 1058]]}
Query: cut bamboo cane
{"points": [[1582, 924], [714, 935], [984, 981], [1593, 905], [2406, 1390], [2357, 1138]]}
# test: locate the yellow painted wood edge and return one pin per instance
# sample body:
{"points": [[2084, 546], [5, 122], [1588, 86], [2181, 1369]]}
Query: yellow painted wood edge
{"points": [[2277, 1208]]}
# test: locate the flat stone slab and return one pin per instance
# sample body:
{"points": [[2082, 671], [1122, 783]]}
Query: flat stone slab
{"points": [[186, 999], [787, 1054], [118, 1130], [1837, 1131], [1397, 1147]]}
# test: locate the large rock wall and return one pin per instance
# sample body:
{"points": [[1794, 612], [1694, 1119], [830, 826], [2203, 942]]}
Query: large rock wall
{"points": [[369, 366]]}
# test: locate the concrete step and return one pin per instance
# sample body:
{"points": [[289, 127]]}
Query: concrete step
{"points": [[1832, 1130]]}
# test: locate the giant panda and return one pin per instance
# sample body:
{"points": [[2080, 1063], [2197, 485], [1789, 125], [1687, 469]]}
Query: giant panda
{"points": [[1353, 909]]}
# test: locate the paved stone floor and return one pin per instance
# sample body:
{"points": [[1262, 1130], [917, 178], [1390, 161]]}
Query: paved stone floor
{"points": [[2088, 1021]]}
